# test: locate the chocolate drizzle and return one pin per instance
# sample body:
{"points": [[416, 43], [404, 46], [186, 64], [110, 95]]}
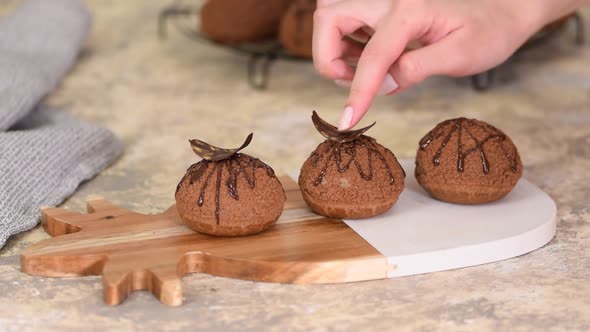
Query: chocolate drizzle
{"points": [[460, 127], [236, 165], [333, 151], [351, 142], [215, 161]]}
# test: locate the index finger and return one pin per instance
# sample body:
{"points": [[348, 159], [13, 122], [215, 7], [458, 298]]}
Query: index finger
{"points": [[386, 45]]}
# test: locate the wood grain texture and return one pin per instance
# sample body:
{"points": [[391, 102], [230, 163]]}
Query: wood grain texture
{"points": [[134, 251]]}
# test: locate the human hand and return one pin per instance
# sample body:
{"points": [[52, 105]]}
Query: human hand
{"points": [[457, 38]]}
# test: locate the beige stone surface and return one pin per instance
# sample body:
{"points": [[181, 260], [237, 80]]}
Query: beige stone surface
{"points": [[155, 95]]}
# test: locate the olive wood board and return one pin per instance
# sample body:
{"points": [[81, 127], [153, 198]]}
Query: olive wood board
{"points": [[133, 251]]}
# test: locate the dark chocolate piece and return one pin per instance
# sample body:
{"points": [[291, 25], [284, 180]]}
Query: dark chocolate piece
{"points": [[213, 153], [333, 134]]}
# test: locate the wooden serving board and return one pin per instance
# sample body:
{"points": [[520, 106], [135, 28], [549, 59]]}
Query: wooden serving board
{"points": [[419, 234], [134, 251]]}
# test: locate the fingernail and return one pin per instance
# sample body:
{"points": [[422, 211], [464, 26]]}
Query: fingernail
{"points": [[343, 83], [388, 85], [346, 118]]}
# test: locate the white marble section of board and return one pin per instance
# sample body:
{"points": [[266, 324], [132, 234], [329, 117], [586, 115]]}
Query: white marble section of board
{"points": [[420, 234]]}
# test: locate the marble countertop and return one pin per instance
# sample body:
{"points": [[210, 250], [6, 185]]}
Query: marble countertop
{"points": [[156, 94]]}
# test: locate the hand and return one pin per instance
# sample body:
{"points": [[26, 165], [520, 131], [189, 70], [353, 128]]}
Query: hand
{"points": [[457, 38]]}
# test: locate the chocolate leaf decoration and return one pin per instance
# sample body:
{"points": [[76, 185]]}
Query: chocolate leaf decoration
{"points": [[213, 153], [333, 134]]}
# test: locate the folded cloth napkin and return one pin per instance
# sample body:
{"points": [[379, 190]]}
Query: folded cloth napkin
{"points": [[44, 153]]}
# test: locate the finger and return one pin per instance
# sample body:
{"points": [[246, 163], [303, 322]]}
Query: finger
{"points": [[445, 57], [328, 47], [372, 75]]}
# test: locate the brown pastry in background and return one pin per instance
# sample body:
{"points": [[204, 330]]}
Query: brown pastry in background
{"points": [[350, 175], [296, 30], [467, 161], [236, 21]]}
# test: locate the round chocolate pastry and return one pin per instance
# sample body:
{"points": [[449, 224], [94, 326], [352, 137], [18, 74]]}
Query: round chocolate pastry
{"points": [[236, 21], [467, 161], [296, 30], [350, 175], [229, 193]]}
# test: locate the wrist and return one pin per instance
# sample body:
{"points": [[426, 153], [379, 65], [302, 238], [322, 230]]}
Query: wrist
{"points": [[522, 18], [548, 11], [531, 16]]}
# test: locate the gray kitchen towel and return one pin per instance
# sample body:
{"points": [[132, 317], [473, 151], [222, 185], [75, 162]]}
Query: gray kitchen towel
{"points": [[44, 153], [38, 43]]}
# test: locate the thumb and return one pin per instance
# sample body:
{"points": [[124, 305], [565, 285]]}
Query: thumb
{"points": [[445, 57]]}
